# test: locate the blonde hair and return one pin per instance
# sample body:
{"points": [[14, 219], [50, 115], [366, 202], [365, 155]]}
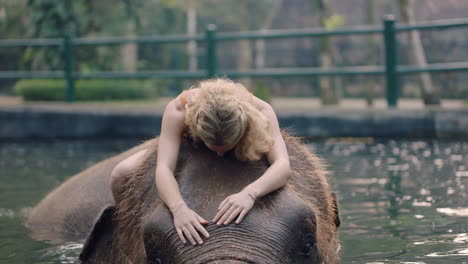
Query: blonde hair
{"points": [[222, 115]]}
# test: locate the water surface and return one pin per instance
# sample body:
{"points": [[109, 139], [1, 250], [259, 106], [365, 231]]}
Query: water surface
{"points": [[400, 201]]}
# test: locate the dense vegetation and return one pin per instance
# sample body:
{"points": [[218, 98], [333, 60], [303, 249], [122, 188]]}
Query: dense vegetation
{"points": [[94, 19], [85, 90]]}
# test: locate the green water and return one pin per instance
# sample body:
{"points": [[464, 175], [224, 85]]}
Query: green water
{"points": [[401, 201]]}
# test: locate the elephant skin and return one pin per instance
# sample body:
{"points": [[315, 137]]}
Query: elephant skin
{"points": [[294, 224]]}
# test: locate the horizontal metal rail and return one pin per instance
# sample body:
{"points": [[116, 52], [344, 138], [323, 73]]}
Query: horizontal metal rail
{"points": [[31, 75], [11, 43], [299, 33], [138, 40], [102, 75], [434, 67], [266, 72], [294, 72], [140, 75], [211, 37], [439, 24], [263, 34]]}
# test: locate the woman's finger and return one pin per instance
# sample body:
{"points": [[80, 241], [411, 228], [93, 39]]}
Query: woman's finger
{"points": [[202, 230], [188, 235], [201, 220], [241, 216], [223, 203], [181, 236], [233, 214], [195, 234], [226, 215], [221, 212]]}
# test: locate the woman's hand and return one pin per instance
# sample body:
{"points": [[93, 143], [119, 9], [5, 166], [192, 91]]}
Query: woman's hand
{"points": [[238, 204], [188, 224]]}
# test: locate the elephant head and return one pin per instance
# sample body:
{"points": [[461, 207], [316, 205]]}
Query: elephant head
{"points": [[295, 224]]}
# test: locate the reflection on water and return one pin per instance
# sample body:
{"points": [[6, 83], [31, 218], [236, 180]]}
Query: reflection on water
{"points": [[29, 170], [401, 201], [67, 253]]}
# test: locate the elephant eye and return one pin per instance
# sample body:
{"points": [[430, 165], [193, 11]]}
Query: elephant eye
{"points": [[306, 250], [308, 245]]}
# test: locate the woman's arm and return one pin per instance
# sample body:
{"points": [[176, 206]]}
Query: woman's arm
{"points": [[275, 176], [186, 221], [168, 151], [278, 173]]}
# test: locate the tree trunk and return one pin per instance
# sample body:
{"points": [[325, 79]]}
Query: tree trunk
{"points": [[245, 50], [418, 55], [191, 31], [328, 94], [245, 61], [129, 52], [372, 51], [338, 82], [260, 49]]}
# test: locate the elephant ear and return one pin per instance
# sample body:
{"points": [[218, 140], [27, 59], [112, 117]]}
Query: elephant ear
{"points": [[100, 238], [336, 210]]}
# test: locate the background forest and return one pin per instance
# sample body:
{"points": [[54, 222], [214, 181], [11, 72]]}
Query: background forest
{"points": [[20, 19]]}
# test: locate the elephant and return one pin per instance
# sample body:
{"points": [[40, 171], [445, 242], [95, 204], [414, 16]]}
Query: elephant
{"points": [[297, 223]]}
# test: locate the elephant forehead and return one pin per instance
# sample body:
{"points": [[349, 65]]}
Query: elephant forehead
{"points": [[278, 214], [206, 178], [268, 234], [281, 207]]}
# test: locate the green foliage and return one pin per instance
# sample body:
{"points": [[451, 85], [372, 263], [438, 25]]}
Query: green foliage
{"points": [[12, 26], [261, 91], [85, 90], [333, 22], [233, 15], [54, 19]]}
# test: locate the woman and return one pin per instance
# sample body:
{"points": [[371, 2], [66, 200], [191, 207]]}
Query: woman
{"points": [[224, 116]]}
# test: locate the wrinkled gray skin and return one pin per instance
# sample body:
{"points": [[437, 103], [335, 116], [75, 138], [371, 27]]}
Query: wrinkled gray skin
{"points": [[274, 231], [70, 211]]}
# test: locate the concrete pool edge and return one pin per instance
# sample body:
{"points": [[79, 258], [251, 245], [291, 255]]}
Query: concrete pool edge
{"points": [[34, 122]]}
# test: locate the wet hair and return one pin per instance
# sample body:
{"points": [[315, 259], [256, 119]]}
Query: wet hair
{"points": [[221, 114]]}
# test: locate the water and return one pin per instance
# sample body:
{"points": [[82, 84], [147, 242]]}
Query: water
{"points": [[401, 201]]}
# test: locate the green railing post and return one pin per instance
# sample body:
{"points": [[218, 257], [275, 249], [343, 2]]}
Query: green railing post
{"points": [[391, 60], [68, 69], [211, 61]]}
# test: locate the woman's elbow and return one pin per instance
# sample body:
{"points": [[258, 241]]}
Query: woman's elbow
{"points": [[159, 174], [287, 172]]}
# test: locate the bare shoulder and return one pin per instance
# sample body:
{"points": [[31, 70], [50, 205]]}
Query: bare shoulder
{"points": [[191, 94], [193, 91], [261, 105], [175, 112], [188, 96], [174, 105]]}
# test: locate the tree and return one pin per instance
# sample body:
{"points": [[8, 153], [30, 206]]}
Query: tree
{"points": [[328, 20], [265, 25], [129, 52], [52, 19], [241, 15], [371, 54], [418, 55], [12, 26], [192, 31]]}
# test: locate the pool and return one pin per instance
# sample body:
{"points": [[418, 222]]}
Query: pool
{"points": [[401, 201]]}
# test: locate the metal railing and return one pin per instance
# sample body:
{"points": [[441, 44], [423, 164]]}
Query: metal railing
{"points": [[389, 30]]}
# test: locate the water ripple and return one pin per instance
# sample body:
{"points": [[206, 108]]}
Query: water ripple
{"points": [[457, 252], [454, 211]]}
